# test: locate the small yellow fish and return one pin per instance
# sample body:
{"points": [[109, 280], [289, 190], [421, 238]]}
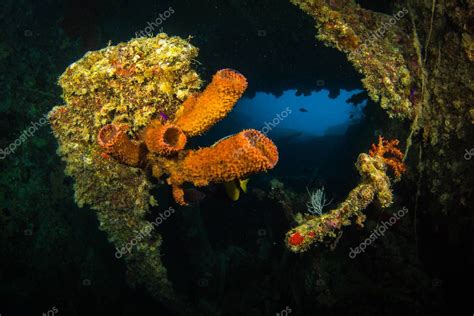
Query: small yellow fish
{"points": [[243, 184], [233, 188]]}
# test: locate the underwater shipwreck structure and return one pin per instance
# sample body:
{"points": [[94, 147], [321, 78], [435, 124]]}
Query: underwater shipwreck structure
{"points": [[131, 108], [418, 63]]}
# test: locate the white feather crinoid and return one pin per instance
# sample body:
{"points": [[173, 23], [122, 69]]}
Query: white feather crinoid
{"points": [[317, 201]]}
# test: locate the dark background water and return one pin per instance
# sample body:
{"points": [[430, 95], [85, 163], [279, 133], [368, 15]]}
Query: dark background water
{"points": [[223, 258]]}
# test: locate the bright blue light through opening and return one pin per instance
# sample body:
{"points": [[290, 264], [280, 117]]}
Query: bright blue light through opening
{"points": [[313, 115]]}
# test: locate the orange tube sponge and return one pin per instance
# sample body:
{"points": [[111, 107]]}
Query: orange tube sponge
{"points": [[199, 112], [164, 139], [114, 141], [235, 157]]}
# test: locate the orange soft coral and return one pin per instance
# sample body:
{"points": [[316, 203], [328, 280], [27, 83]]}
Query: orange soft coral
{"points": [[235, 157], [114, 141], [164, 139], [200, 112], [389, 147]]}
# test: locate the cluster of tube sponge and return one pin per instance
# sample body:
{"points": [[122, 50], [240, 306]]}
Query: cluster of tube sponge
{"points": [[161, 145]]}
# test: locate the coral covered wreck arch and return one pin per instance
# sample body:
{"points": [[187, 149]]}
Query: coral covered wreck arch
{"points": [[129, 112], [417, 63]]}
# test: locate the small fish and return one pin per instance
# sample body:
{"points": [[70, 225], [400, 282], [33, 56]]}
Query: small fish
{"points": [[243, 184], [164, 116], [303, 110], [351, 116], [193, 195], [233, 188]]}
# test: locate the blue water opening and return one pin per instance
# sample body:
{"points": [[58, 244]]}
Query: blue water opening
{"points": [[301, 116]]}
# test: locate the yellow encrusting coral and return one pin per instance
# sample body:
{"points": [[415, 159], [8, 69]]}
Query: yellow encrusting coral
{"points": [[120, 121], [124, 85], [375, 184], [418, 63], [356, 32]]}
